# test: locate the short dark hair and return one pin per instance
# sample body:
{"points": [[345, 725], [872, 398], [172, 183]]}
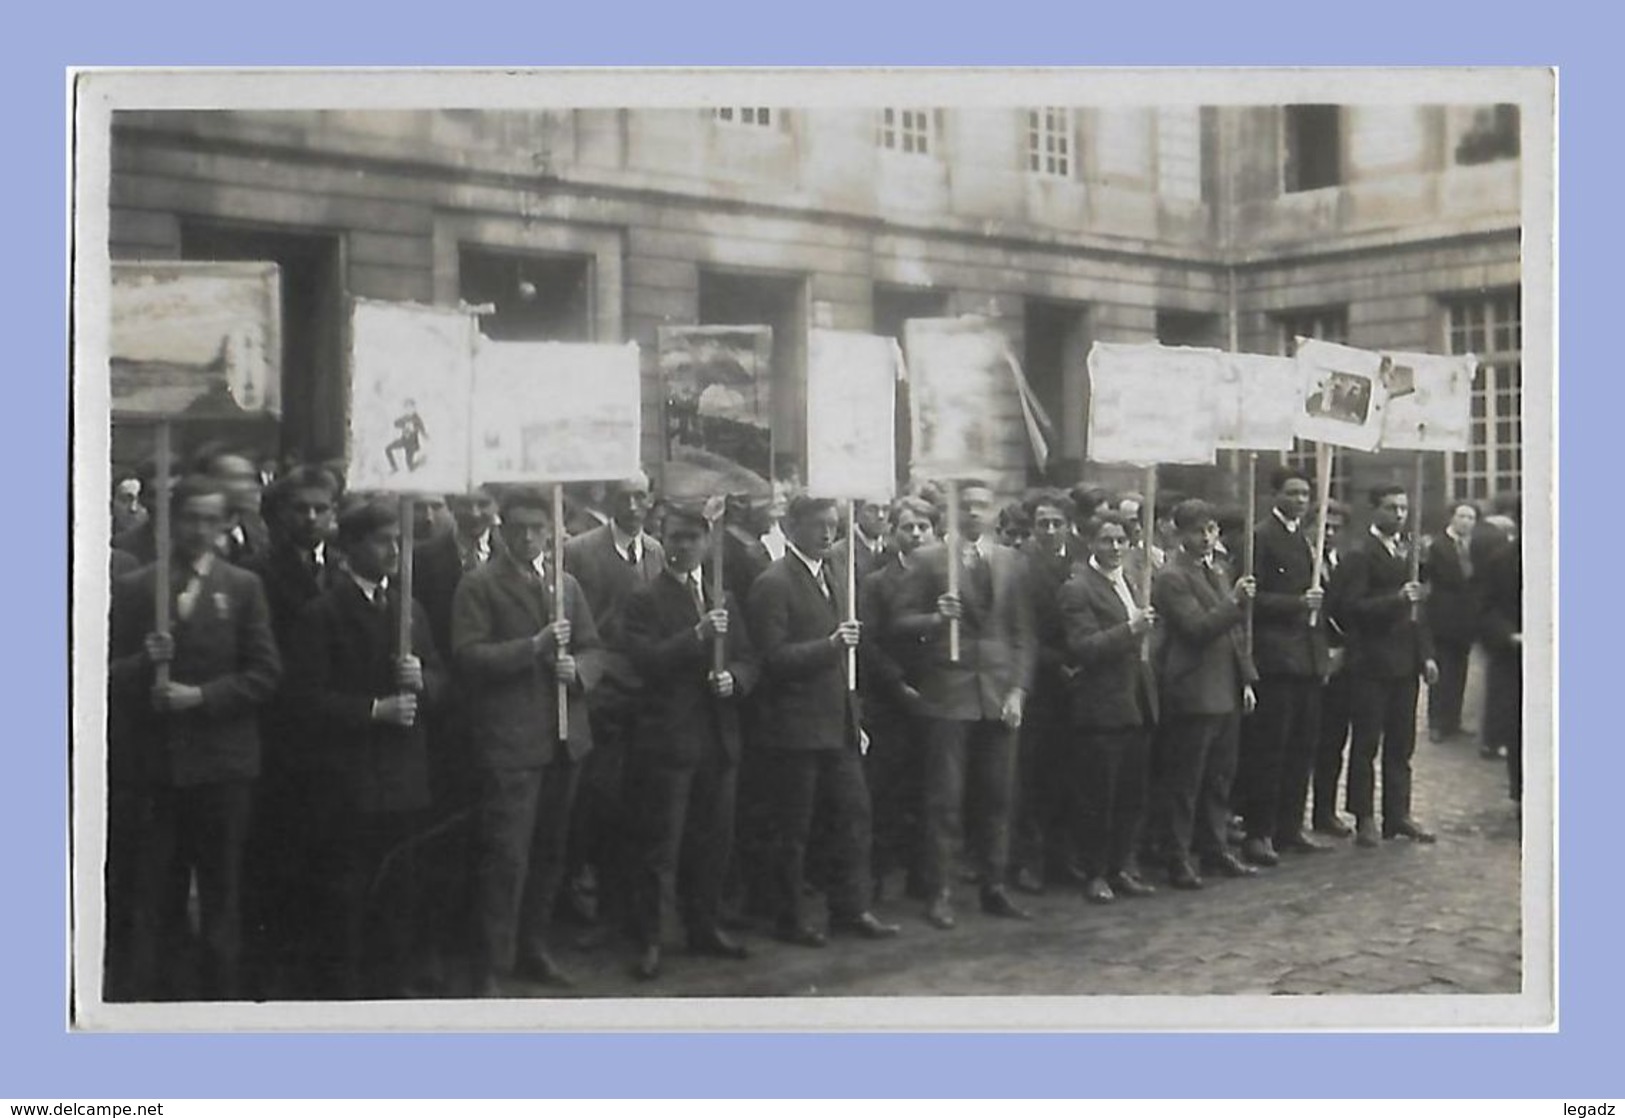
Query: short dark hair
{"points": [[1338, 507], [919, 506], [1193, 513], [1014, 515], [366, 517], [1097, 522], [1283, 474], [804, 505], [195, 485], [974, 483], [1053, 498], [1508, 504], [1087, 498], [306, 477], [1380, 493], [526, 497], [1168, 502]]}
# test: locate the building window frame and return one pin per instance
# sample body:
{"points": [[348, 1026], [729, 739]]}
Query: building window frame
{"points": [[1052, 142], [1292, 154], [1489, 325], [747, 116], [906, 131]]}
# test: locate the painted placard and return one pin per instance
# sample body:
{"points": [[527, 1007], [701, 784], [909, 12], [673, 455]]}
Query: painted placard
{"points": [[556, 412], [1258, 398], [1150, 404], [1430, 402], [717, 388], [1345, 394], [194, 338], [411, 385], [962, 395], [851, 415]]}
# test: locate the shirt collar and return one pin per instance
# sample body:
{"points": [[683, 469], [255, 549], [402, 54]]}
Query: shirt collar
{"points": [[1289, 525], [202, 565], [623, 542], [1114, 576], [1390, 542], [539, 566], [816, 566], [369, 588]]}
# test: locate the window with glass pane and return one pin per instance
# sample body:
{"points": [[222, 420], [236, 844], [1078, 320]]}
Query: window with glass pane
{"points": [[1327, 324], [906, 130], [1490, 327], [1049, 141], [760, 118]]}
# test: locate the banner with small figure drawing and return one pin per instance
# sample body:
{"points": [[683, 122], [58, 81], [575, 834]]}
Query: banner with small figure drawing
{"points": [[1259, 398], [195, 338], [1152, 404], [851, 409], [1430, 402], [718, 394], [411, 383], [555, 412], [1345, 394]]}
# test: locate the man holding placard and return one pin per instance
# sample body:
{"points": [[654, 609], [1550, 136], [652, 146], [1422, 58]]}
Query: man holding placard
{"points": [[513, 650]]}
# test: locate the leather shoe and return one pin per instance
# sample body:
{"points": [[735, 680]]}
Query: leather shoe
{"points": [[717, 943], [647, 968], [1128, 884], [1026, 881], [1332, 825], [940, 913], [1260, 852], [1229, 865], [802, 937], [996, 902], [541, 968], [1098, 892], [1181, 875], [1301, 843], [866, 925], [1411, 829], [1365, 833]]}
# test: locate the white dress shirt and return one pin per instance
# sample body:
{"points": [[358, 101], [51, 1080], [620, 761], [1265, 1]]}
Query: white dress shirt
{"points": [[1119, 584]]}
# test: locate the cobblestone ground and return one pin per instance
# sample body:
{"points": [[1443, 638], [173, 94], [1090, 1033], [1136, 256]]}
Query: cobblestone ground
{"points": [[1402, 918]]}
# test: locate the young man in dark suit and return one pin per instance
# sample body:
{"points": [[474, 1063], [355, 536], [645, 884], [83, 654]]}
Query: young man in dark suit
{"points": [[246, 538], [683, 754], [974, 706], [188, 750], [1278, 742], [439, 563], [1503, 640], [1113, 712], [364, 706], [512, 651], [869, 518], [810, 737], [1205, 685], [1372, 598], [1453, 603]]}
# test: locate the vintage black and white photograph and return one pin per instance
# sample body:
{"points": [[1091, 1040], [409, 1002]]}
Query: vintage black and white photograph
{"points": [[640, 550]]}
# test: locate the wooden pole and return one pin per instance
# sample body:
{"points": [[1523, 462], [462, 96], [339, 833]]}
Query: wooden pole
{"points": [[1248, 559], [1323, 497], [953, 567], [719, 596], [164, 546], [1416, 531], [403, 637], [1148, 533], [558, 604], [851, 589]]}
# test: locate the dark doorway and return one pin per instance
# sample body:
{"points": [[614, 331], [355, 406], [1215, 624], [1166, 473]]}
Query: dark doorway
{"points": [[313, 388], [538, 298], [1054, 361], [778, 302], [1189, 328]]}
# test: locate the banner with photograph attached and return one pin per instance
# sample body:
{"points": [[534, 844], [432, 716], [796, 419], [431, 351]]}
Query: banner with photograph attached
{"points": [[1430, 402], [1151, 403], [556, 412], [965, 389], [195, 338], [1345, 394], [1258, 399], [717, 389], [411, 386], [851, 414]]}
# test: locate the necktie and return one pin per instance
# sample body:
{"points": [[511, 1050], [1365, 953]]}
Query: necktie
{"points": [[632, 554], [699, 595], [1466, 551]]}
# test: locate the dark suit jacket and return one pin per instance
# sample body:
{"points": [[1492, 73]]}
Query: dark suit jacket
{"points": [[889, 657], [290, 585], [1382, 640], [1503, 601], [679, 720], [608, 581], [744, 558], [256, 542], [140, 541], [1113, 688], [225, 648], [867, 563], [438, 565], [1046, 574], [803, 701], [998, 650], [1283, 642], [1452, 606], [342, 658], [1201, 662], [511, 694]]}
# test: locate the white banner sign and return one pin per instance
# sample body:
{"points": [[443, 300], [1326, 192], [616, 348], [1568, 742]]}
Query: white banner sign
{"points": [[1345, 394], [1259, 399], [1152, 403], [1430, 402], [962, 393], [556, 412], [195, 338], [851, 415], [411, 381]]}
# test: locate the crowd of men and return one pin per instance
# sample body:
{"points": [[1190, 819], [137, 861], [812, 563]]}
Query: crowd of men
{"points": [[340, 818]]}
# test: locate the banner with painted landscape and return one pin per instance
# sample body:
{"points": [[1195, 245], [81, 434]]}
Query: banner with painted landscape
{"points": [[717, 393]]}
